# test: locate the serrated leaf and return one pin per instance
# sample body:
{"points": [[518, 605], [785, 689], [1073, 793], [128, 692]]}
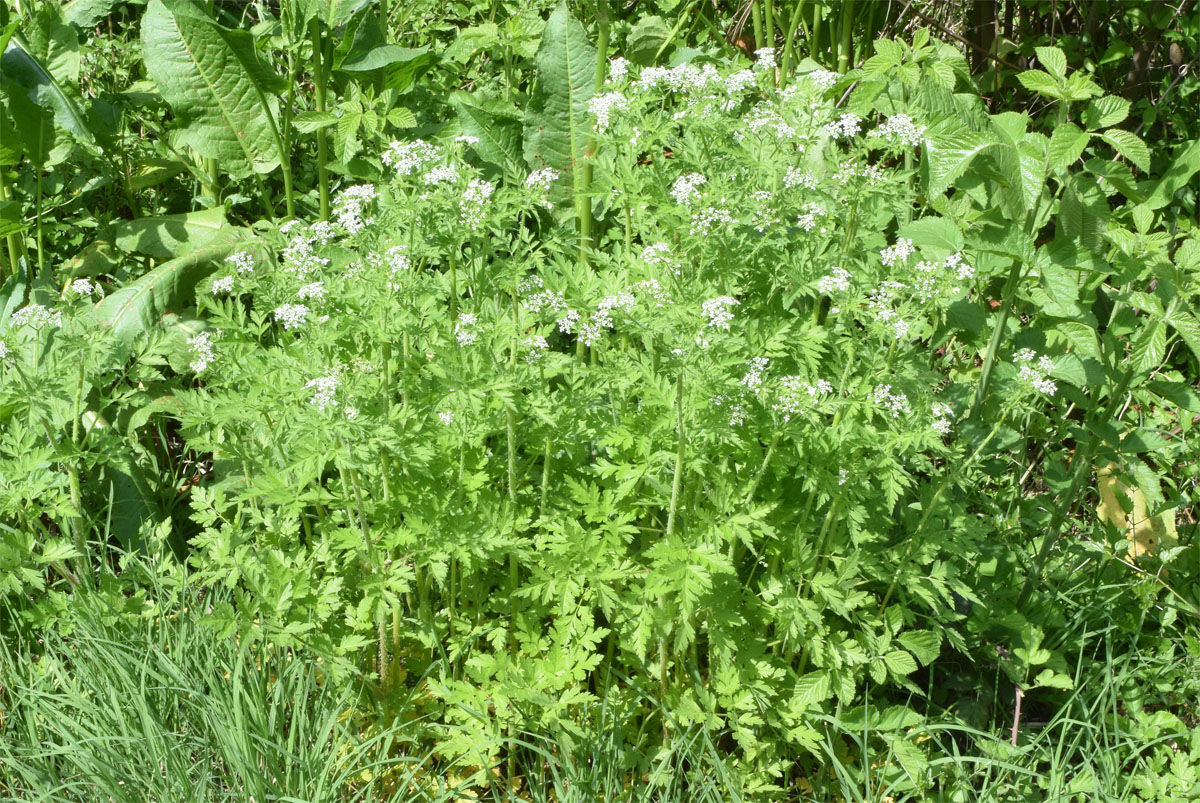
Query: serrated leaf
{"points": [[947, 157], [401, 117], [1105, 111], [1066, 146], [647, 39], [1054, 60], [1040, 82], [811, 689], [213, 81], [924, 644], [1188, 327], [1185, 165], [86, 13], [1130, 146], [557, 125], [57, 550], [900, 663], [308, 122]]}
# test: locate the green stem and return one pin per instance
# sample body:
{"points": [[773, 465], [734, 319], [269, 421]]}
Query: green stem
{"points": [[756, 21], [989, 359], [768, 23], [789, 45], [11, 239], [843, 61], [583, 185], [680, 453], [319, 84]]}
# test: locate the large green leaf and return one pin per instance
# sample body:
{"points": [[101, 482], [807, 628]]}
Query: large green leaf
{"points": [[140, 306], [1185, 165], [1066, 146], [557, 124], [947, 156], [334, 13], [1129, 145], [23, 72], [215, 84], [86, 13], [499, 134], [170, 236]]}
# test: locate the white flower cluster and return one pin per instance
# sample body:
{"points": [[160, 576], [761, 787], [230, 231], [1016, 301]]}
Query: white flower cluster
{"points": [[535, 298], [765, 215], [795, 395], [541, 180], [4, 352], [942, 414], [659, 254], [704, 220], [766, 118], [313, 290], [222, 285], [440, 174], [764, 58], [82, 287], [897, 254], [464, 332], [851, 171], [881, 302], [242, 261], [753, 379], [293, 316], [899, 129], [654, 290], [894, 404], [201, 345], [1035, 370], [37, 316], [808, 218], [823, 80], [687, 188], [844, 127], [836, 281], [719, 311], [535, 348], [409, 157], [474, 202], [299, 257], [467, 139], [324, 388], [739, 81], [795, 177], [737, 410], [397, 263], [349, 204], [685, 78], [603, 106], [618, 68]]}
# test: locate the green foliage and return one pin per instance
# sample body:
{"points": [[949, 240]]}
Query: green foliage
{"points": [[600, 429]]}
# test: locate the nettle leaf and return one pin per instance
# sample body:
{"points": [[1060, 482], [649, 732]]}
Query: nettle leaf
{"points": [[213, 81], [900, 663], [1066, 146], [1129, 145], [1188, 327], [1041, 83], [1105, 111], [557, 124], [946, 157], [924, 644], [308, 122]]}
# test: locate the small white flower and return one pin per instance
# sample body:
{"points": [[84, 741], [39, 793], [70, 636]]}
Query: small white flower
{"points": [[37, 316], [836, 281], [314, 290], [474, 202], [441, 174], [202, 351], [808, 219], [567, 323], [536, 348], [843, 475], [795, 177], [463, 332], [542, 180], [897, 254], [467, 139], [446, 417], [4, 352], [844, 127], [719, 311], [823, 80], [618, 68], [323, 389], [900, 130], [222, 285], [942, 414], [686, 188], [409, 157], [753, 380], [765, 58], [351, 412], [293, 316], [82, 287], [349, 206], [708, 217], [1034, 371], [892, 403], [603, 106], [243, 261]]}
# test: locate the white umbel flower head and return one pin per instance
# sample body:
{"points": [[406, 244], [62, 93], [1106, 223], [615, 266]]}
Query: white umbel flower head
{"points": [[719, 311], [201, 346]]}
